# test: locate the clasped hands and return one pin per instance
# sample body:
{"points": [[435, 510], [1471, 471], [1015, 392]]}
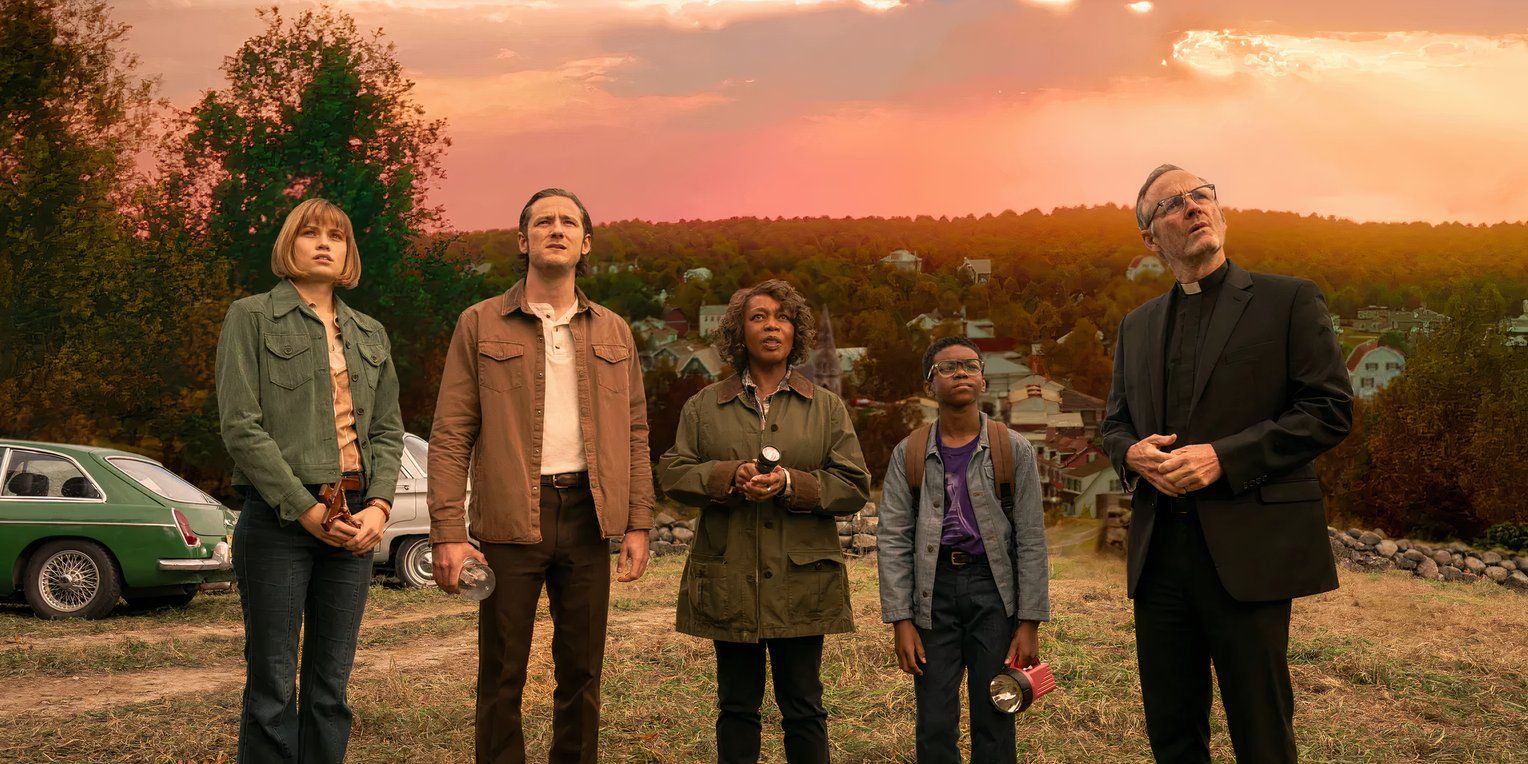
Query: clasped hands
{"points": [[1177, 472], [358, 539], [755, 485]]}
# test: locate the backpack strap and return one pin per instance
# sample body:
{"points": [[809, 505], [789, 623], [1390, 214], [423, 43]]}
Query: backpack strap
{"points": [[1002, 461], [912, 460]]}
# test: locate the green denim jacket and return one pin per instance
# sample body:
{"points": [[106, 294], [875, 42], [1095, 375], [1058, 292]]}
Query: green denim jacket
{"points": [[276, 399]]}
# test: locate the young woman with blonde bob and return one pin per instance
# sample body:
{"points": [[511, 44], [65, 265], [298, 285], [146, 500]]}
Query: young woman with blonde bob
{"points": [[308, 398]]}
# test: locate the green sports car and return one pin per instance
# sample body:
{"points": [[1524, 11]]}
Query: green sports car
{"points": [[81, 527]]}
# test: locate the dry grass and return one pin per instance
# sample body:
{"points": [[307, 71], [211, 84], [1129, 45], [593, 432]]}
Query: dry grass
{"points": [[1386, 669]]}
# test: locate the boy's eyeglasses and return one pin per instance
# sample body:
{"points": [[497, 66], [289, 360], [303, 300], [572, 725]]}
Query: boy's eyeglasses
{"points": [[948, 368]]}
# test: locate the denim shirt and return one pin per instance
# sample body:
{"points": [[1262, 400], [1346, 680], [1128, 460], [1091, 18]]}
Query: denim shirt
{"points": [[908, 537]]}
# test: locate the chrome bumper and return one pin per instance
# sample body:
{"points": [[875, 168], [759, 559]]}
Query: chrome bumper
{"points": [[221, 559]]}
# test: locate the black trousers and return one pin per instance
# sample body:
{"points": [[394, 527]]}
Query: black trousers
{"points": [[970, 637], [796, 663], [573, 561], [1184, 621]]}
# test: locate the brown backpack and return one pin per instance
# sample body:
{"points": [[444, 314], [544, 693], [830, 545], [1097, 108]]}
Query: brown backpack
{"points": [[1002, 460]]}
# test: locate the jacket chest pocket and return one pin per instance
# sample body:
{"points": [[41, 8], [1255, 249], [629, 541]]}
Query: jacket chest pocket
{"points": [[613, 369], [289, 362], [374, 354], [501, 365]]}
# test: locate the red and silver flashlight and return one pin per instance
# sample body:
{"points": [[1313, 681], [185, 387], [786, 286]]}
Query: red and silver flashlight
{"points": [[1014, 689]]}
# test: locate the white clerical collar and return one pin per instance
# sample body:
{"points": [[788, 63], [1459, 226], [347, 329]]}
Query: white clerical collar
{"points": [[1191, 287]]}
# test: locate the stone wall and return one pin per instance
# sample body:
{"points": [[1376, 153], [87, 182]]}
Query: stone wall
{"points": [[1372, 550], [856, 533]]}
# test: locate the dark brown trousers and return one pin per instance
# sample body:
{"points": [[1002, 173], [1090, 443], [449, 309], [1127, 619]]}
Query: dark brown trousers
{"points": [[573, 560]]}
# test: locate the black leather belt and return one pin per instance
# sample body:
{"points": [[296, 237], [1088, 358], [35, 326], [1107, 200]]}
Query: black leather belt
{"points": [[958, 559], [566, 480]]}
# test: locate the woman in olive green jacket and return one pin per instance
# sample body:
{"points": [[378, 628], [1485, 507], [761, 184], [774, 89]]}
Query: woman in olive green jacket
{"points": [[765, 572], [308, 397]]}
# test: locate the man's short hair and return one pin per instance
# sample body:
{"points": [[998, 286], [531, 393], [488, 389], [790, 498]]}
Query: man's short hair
{"points": [[1140, 199], [525, 221], [941, 344]]}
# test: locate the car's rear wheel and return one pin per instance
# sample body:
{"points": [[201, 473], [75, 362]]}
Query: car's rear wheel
{"points": [[415, 563], [71, 578], [162, 600]]}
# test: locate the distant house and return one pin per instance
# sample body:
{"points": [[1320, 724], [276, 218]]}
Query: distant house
{"points": [[653, 331], [1378, 318], [711, 318], [927, 322], [1003, 372], [1145, 266], [1098, 336], [688, 358], [697, 274], [903, 260], [1517, 328], [928, 408], [1372, 318], [1083, 483], [676, 320], [980, 328], [1371, 366], [979, 271], [1421, 320]]}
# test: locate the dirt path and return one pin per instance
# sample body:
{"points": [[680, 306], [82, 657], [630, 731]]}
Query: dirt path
{"points": [[191, 632], [76, 695]]}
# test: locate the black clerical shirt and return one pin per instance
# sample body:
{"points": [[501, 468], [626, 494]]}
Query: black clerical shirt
{"points": [[1189, 309]]}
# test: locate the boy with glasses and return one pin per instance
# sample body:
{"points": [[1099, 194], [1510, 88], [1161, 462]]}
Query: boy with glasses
{"points": [[962, 558]]}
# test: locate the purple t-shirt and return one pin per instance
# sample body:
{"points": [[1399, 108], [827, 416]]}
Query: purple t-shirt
{"points": [[959, 529]]}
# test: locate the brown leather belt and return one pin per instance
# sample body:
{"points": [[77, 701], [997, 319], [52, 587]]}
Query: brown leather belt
{"points": [[566, 480]]}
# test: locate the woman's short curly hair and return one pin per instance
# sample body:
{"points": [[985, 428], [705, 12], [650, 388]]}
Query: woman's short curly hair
{"points": [[729, 334]]}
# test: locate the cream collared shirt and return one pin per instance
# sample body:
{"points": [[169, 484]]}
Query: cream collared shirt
{"points": [[562, 434]]}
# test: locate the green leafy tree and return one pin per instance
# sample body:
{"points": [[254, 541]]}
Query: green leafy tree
{"points": [[100, 318], [315, 107]]}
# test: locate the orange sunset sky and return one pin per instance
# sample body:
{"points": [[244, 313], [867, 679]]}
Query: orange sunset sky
{"points": [[670, 109]]}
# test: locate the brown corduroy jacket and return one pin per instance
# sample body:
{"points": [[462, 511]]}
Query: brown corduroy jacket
{"points": [[489, 414]]}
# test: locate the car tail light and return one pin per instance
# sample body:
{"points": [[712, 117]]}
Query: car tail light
{"points": [[185, 529]]}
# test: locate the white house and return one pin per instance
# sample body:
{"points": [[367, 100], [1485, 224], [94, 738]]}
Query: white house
{"points": [[903, 260], [1145, 266], [980, 328], [1371, 366], [1082, 484], [711, 318], [700, 274], [979, 271]]}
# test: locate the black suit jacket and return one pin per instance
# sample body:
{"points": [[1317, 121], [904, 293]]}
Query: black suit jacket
{"points": [[1271, 394]]}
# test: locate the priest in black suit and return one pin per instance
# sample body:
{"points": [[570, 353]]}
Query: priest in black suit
{"points": [[1225, 389]]}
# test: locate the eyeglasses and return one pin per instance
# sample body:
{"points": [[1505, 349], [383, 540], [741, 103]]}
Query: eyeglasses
{"points": [[1202, 195], [948, 368]]}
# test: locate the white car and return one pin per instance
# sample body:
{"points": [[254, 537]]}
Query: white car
{"points": [[405, 547]]}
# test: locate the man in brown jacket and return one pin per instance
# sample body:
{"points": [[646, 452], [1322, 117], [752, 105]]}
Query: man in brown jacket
{"points": [[541, 399]]}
